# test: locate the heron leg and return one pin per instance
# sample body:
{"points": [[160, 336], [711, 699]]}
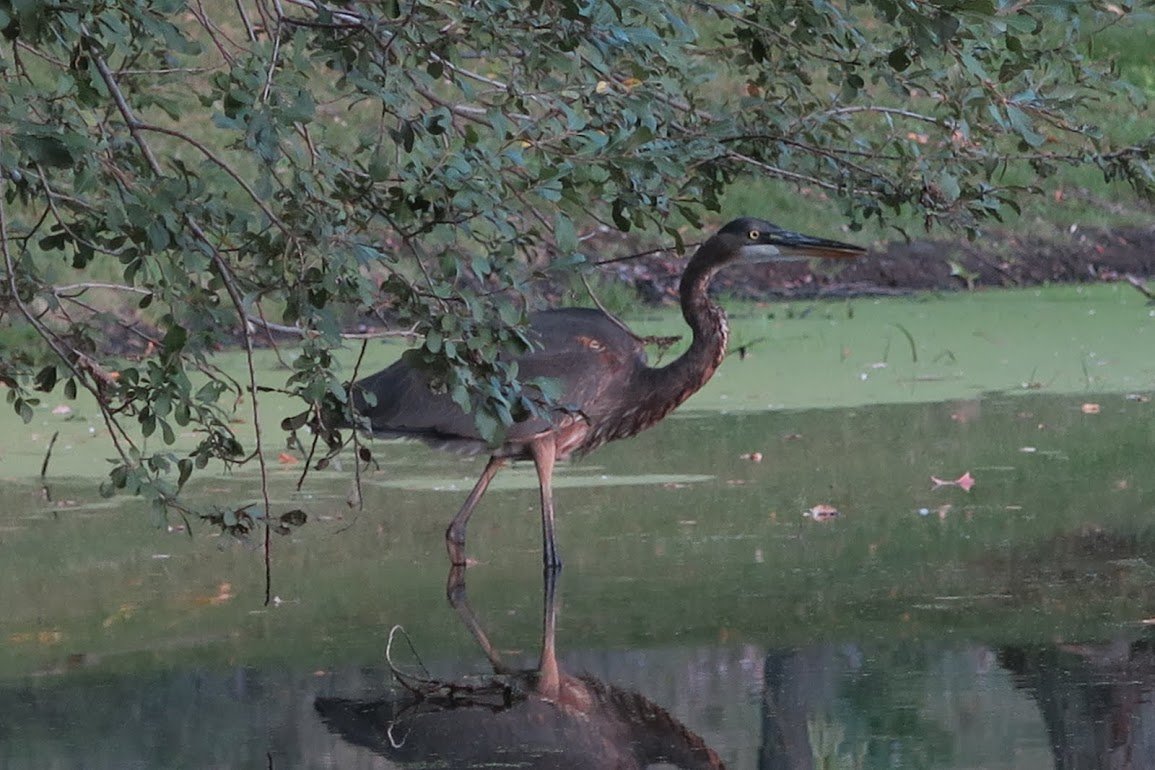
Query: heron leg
{"points": [[455, 534], [455, 593], [544, 456]]}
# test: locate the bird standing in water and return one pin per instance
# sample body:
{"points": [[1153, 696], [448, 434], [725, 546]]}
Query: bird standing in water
{"points": [[608, 391]]}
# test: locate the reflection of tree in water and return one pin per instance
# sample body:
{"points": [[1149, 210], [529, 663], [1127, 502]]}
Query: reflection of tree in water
{"points": [[540, 718], [833, 707], [1095, 700]]}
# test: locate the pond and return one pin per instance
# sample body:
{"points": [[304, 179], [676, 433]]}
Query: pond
{"points": [[827, 605]]}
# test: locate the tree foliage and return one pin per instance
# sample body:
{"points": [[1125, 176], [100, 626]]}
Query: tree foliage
{"points": [[235, 167]]}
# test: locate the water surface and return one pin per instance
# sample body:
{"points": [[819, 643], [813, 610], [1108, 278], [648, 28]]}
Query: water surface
{"points": [[922, 626]]}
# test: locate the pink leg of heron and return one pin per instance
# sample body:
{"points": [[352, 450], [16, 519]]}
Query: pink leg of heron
{"points": [[455, 534], [544, 455], [455, 592]]}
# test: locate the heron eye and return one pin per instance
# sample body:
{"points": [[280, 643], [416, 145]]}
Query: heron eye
{"points": [[755, 235]]}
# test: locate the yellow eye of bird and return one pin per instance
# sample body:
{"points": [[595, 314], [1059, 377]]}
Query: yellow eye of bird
{"points": [[754, 235]]}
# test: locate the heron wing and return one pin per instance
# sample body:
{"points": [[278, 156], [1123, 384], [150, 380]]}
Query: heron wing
{"points": [[589, 355]]}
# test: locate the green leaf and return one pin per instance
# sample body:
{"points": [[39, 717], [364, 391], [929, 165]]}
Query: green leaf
{"points": [[564, 234]]}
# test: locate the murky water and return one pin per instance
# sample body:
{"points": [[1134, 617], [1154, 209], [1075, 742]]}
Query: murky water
{"points": [[702, 616]]}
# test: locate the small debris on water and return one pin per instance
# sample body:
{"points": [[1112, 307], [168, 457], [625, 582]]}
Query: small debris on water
{"points": [[822, 512], [62, 410], [1141, 398], [1090, 408], [754, 457]]}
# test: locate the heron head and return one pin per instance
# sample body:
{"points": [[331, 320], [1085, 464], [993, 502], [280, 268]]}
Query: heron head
{"points": [[756, 240]]}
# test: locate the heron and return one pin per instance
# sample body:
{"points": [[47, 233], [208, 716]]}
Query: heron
{"points": [[608, 389]]}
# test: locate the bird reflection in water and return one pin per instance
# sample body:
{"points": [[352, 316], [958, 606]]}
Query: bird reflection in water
{"points": [[537, 718]]}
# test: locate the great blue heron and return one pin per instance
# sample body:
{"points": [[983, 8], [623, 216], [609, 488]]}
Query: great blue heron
{"points": [[608, 389]]}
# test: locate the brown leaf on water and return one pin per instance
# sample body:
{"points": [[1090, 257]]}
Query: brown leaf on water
{"points": [[224, 594], [123, 612], [39, 637]]}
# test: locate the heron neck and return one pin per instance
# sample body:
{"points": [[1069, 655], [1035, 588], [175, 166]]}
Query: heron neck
{"points": [[670, 385]]}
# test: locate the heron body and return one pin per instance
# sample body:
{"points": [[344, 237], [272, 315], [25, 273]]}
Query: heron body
{"points": [[608, 390]]}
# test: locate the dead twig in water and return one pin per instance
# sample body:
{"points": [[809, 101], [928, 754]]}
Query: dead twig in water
{"points": [[48, 455], [1141, 288]]}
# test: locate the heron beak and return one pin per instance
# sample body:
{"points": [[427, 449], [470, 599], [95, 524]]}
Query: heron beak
{"points": [[791, 244]]}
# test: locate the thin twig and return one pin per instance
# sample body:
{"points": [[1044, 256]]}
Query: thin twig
{"points": [[48, 455], [356, 437], [81, 288], [71, 358], [220, 163], [300, 332], [227, 278], [1140, 287]]}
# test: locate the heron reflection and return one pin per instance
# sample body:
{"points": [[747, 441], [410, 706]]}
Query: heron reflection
{"points": [[540, 718]]}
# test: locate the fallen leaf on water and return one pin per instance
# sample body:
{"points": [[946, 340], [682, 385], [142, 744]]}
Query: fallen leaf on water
{"points": [[822, 512], [966, 481], [124, 612], [40, 637], [1090, 408], [224, 593], [284, 458]]}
